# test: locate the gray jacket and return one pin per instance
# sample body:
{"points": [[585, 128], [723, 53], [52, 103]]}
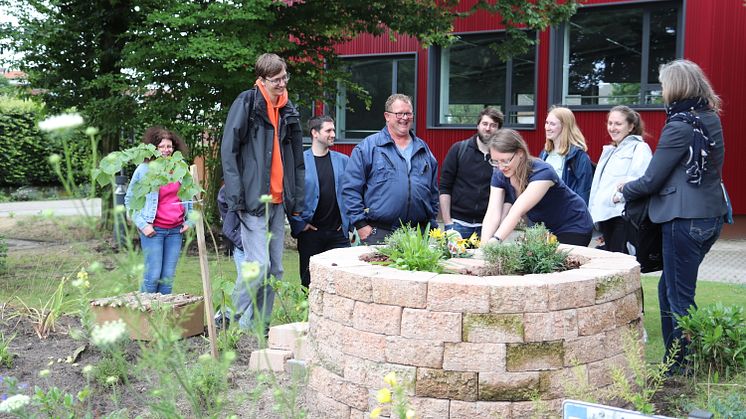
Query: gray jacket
{"points": [[246, 153], [665, 179]]}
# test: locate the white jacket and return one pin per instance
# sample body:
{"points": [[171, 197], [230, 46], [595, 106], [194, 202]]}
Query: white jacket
{"points": [[623, 163]]}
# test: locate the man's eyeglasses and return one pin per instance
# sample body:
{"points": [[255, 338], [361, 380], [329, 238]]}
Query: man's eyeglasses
{"points": [[501, 163], [277, 80], [402, 115]]}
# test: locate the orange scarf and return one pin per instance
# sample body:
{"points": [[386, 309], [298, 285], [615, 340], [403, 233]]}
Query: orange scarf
{"points": [[275, 172]]}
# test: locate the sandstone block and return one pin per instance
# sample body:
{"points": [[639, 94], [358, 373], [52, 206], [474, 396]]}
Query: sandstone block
{"points": [[355, 282], [390, 287], [338, 309], [596, 319], [269, 359], [511, 386], [550, 325], [370, 374], [429, 408], [336, 387], [326, 407], [466, 356], [315, 301], [493, 328], [479, 410], [572, 292], [415, 352], [534, 356], [628, 309], [568, 381], [543, 409], [585, 349], [599, 373], [446, 384], [287, 336], [519, 298], [458, 293], [377, 318], [433, 325], [365, 345], [611, 287]]}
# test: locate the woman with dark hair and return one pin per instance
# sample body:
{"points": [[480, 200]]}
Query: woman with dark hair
{"points": [[624, 159], [162, 221], [683, 183], [565, 150], [524, 185]]}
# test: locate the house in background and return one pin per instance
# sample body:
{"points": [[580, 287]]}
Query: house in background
{"points": [[607, 54]]}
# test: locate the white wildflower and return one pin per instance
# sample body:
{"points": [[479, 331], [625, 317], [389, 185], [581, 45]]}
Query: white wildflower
{"points": [[63, 121], [91, 131], [14, 403], [108, 333]]}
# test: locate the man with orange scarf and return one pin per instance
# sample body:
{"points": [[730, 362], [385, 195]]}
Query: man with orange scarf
{"points": [[262, 155]]}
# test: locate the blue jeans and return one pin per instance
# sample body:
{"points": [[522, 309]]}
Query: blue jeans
{"points": [[161, 252], [685, 244], [255, 297], [465, 231]]}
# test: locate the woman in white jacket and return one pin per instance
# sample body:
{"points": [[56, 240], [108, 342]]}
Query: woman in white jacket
{"points": [[625, 159]]}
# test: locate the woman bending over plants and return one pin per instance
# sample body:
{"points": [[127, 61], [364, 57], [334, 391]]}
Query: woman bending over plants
{"points": [[524, 185], [162, 221]]}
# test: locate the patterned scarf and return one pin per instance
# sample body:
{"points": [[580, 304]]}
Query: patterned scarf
{"points": [[687, 111]]}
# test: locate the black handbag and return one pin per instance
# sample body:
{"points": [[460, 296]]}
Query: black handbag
{"points": [[645, 235]]}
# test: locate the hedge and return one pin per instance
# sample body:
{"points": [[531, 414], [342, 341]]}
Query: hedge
{"points": [[24, 149]]}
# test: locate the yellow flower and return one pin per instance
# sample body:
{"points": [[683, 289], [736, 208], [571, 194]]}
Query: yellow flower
{"points": [[384, 396], [474, 240], [375, 413], [390, 378], [552, 239], [436, 234]]}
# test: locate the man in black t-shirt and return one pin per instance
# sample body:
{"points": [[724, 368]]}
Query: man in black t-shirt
{"points": [[323, 223], [465, 177]]}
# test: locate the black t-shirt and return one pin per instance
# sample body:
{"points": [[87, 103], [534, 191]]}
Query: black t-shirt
{"points": [[327, 215]]}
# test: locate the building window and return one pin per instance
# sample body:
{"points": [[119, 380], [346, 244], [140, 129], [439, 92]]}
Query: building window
{"points": [[611, 55], [470, 77], [380, 77]]}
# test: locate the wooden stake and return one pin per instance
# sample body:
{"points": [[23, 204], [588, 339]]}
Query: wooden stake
{"points": [[205, 270]]}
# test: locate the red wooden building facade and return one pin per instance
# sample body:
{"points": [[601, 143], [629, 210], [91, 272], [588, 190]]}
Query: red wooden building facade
{"points": [[607, 54]]}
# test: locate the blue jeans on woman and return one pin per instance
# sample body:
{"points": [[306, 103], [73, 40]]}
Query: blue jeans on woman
{"points": [[162, 252], [685, 244]]}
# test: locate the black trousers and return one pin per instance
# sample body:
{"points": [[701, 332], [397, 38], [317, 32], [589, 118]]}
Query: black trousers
{"points": [[313, 242], [577, 239], [615, 232]]}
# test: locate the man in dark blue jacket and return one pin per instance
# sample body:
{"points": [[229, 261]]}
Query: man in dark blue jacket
{"points": [[323, 223], [392, 177]]}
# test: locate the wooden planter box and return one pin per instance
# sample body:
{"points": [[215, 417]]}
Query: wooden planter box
{"points": [[139, 310]]}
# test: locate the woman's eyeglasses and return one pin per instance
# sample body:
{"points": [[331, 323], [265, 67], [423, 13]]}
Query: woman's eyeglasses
{"points": [[501, 163]]}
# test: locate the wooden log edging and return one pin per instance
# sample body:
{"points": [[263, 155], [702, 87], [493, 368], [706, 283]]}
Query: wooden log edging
{"points": [[472, 346]]}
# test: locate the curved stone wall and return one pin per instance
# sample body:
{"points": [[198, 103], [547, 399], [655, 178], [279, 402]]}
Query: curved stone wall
{"points": [[473, 347]]}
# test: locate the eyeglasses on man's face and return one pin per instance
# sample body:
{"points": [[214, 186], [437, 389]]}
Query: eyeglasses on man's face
{"points": [[279, 79], [501, 163], [402, 115]]}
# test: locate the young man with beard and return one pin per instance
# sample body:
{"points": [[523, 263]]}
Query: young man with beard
{"points": [[392, 177], [323, 223], [465, 177]]}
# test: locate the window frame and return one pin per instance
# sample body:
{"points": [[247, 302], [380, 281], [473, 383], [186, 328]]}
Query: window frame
{"points": [[559, 38], [434, 84], [340, 110]]}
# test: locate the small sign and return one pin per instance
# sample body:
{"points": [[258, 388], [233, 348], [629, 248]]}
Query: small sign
{"points": [[573, 409]]}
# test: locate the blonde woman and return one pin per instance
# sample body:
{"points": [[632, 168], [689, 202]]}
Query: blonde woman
{"points": [[565, 150], [524, 185], [624, 159]]}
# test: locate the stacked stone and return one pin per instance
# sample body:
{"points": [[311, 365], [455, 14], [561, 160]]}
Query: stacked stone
{"points": [[472, 347]]}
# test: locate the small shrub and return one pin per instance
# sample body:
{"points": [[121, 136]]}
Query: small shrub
{"points": [[208, 379], [3, 254], [535, 252], [6, 357], [408, 248], [717, 338], [291, 301]]}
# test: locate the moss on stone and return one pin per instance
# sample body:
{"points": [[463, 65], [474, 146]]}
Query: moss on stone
{"points": [[606, 285], [520, 354], [519, 389], [507, 323]]}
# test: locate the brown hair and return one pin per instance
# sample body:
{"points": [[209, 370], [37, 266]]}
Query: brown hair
{"points": [[506, 140], [684, 79], [155, 134], [493, 114], [632, 117], [398, 96], [570, 134], [315, 123], [268, 65]]}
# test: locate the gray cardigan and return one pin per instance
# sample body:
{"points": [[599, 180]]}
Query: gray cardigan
{"points": [[665, 179]]}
